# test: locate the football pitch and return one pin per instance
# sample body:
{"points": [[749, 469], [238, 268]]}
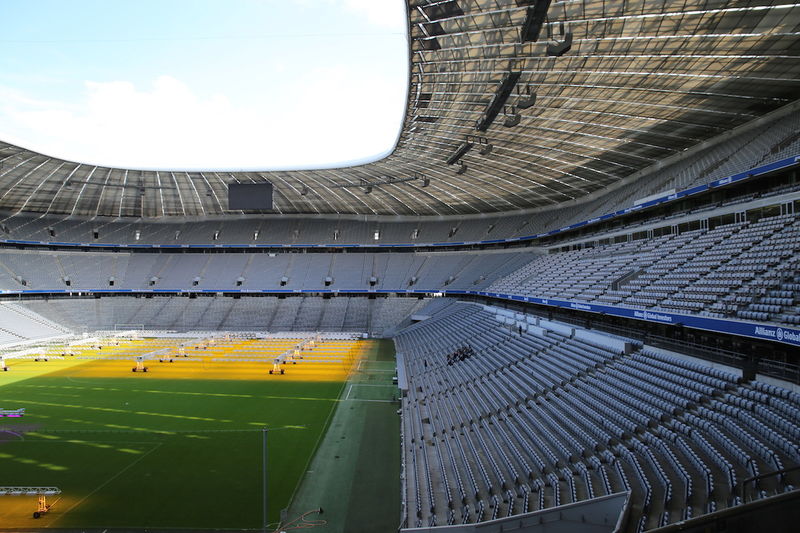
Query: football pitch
{"points": [[181, 446]]}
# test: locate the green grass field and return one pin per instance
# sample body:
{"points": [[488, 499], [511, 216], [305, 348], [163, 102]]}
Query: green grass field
{"points": [[176, 449], [355, 475], [139, 451], [189, 452]]}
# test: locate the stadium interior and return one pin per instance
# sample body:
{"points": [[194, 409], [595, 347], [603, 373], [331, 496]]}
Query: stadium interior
{"points": [[583, 253]]}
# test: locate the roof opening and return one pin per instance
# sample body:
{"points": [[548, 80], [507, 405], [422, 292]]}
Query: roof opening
{"points": [[189, 85]]}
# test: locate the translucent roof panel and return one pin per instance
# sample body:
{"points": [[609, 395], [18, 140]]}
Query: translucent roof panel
{"points": [[640, 81]]}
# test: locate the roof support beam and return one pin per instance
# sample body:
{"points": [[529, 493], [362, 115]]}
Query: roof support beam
{"points": [[498, 101]]}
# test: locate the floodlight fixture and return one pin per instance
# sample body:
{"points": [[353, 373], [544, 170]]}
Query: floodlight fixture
{"points": [[527, 100], [512, 118], [422, 177], [559, 48], [498, 101], [485, 146]]}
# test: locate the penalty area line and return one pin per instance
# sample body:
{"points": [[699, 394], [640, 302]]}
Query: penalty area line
{"points": [[109, 480], [326, 428], [364, 400]]}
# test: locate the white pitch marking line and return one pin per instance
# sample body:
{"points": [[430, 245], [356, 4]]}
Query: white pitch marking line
{"points": [[154, 448]]}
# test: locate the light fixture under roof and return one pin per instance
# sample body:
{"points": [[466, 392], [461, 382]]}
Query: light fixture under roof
{"points": [[527, 100], [422, 177], [485, 146], [498, 101], [559, 48], [512, 118]]}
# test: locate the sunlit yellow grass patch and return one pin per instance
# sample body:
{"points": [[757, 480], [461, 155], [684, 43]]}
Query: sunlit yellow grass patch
{"points": [[222, 360]]}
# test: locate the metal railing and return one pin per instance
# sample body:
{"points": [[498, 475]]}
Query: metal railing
{"points": [[755, 479]]}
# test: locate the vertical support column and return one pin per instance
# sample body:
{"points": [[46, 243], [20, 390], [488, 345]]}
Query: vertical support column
{"points": [[264, 473]]}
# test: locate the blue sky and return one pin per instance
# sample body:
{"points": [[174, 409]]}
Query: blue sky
{"points": [[211, 84]]}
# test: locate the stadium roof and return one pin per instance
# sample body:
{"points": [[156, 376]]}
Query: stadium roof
{"points": [[642, 80]]}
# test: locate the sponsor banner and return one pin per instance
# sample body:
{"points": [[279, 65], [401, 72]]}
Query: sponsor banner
{"points": [[123, 291], [786, 335], [43, 291], [782, 334]]}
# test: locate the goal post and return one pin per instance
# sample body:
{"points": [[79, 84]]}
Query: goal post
{"points": [[129, 327], [135, 331]]}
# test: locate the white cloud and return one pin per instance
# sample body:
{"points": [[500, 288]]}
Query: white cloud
{"points": [[332, 114], [250, 103]]}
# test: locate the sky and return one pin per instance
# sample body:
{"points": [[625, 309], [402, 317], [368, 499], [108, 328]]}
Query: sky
{"points": [[204, 84]]}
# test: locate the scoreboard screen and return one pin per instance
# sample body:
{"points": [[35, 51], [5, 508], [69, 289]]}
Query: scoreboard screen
{"points": [[250, 196]]}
